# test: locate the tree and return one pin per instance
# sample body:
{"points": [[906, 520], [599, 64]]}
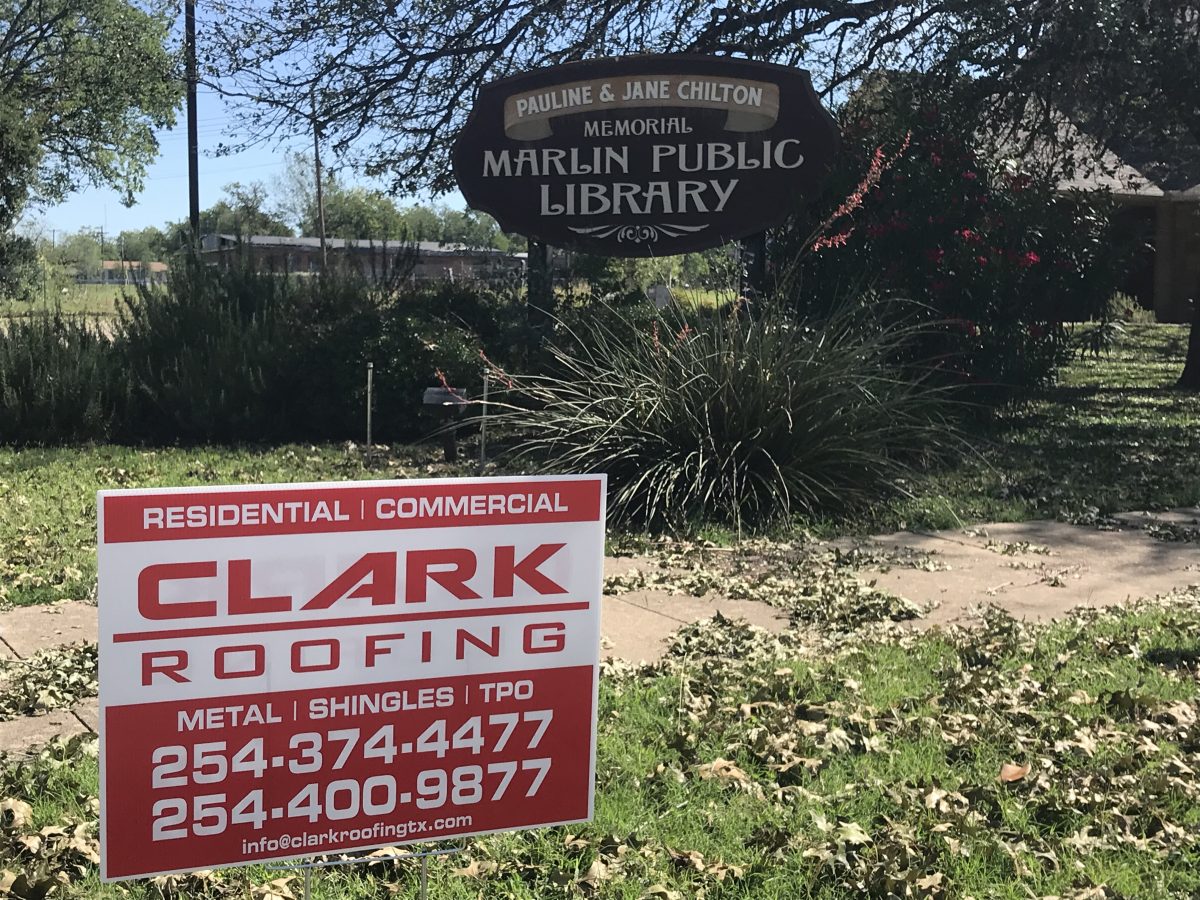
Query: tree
{"points": [[18, 161], [357, 212], [93, 79], [243, 211], [473, 228], [79, 252], [351, 211], [83, 86], [1190, 379], [422, 222], [295, 190], [18, 267], [246, 212], [144, 245], [997, 259], [389, 80], [18, 165]]}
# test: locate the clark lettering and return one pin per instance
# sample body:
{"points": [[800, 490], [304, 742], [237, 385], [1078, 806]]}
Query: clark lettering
{"points": [[666, 197]]}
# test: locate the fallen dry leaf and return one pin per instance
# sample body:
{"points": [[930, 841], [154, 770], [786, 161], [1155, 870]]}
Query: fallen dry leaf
{"points": [[722, 770], [1010, 772]]}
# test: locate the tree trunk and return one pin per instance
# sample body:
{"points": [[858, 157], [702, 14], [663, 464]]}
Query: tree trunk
{"points": [[1190, 379]]}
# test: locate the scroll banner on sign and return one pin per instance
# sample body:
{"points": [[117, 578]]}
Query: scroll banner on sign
{"points": [[297, 670], [749, 105]]}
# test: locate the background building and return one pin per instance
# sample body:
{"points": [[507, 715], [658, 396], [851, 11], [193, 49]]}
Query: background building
{"points": [[427, 260]]}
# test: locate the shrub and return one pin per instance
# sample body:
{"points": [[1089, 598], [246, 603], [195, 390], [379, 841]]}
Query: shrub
{"points": [[56, 381], [332, 325], [241, 355], [730, 418], [418, 351], [495, 315], [202, 354], [994, 251]]}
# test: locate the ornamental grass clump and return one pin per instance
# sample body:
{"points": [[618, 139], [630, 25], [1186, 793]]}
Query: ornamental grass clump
{"points": [[732, 418]]}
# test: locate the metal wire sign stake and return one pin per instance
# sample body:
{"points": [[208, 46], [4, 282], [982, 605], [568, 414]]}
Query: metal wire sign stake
{"points": [[370, 398], [423, 891]]}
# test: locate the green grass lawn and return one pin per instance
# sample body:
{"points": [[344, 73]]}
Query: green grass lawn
{"points": [[703, 298], [1112, 436], [48, 497], [843, 760], [75, 299], [1002, 762]]}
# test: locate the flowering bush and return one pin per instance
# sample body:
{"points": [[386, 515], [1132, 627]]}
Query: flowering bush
{"points": [[1000, 257]]}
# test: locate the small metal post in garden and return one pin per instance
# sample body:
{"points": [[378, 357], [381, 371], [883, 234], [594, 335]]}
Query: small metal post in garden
{"points": [[370, 386], [487, 378]]}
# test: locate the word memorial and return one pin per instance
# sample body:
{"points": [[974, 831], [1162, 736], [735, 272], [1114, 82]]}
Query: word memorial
{"points": [[645, 155], [294, 670]]}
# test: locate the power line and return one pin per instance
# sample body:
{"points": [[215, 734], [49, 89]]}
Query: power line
{"points": [[222, 169]]}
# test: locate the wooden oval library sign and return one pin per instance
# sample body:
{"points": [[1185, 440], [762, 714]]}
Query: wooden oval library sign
{"points": [[645, 155]]}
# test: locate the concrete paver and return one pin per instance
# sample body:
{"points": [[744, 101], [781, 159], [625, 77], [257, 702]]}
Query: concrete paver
{"points": [[1036, 570], [635, 626], [28, 629], [22, 735], [1185, 516], [88, 711]]}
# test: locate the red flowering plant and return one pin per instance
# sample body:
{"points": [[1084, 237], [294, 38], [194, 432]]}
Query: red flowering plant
{"points": [[999, 261]]}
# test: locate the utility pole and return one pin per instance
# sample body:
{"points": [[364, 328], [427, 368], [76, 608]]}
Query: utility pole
{"points": [[189, 18], [320, 192]]}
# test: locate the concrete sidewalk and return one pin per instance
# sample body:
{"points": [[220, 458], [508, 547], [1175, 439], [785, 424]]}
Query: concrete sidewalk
{"points": [[1034, 570]]}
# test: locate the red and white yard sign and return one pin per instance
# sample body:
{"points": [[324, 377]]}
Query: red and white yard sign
{"points": [[291, 670]]}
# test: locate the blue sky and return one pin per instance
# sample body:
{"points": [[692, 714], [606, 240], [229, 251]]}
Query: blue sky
{"points": [[165, 198]]}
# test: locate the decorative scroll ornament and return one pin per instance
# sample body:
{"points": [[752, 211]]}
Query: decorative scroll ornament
{"points": [[639, 234]]}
